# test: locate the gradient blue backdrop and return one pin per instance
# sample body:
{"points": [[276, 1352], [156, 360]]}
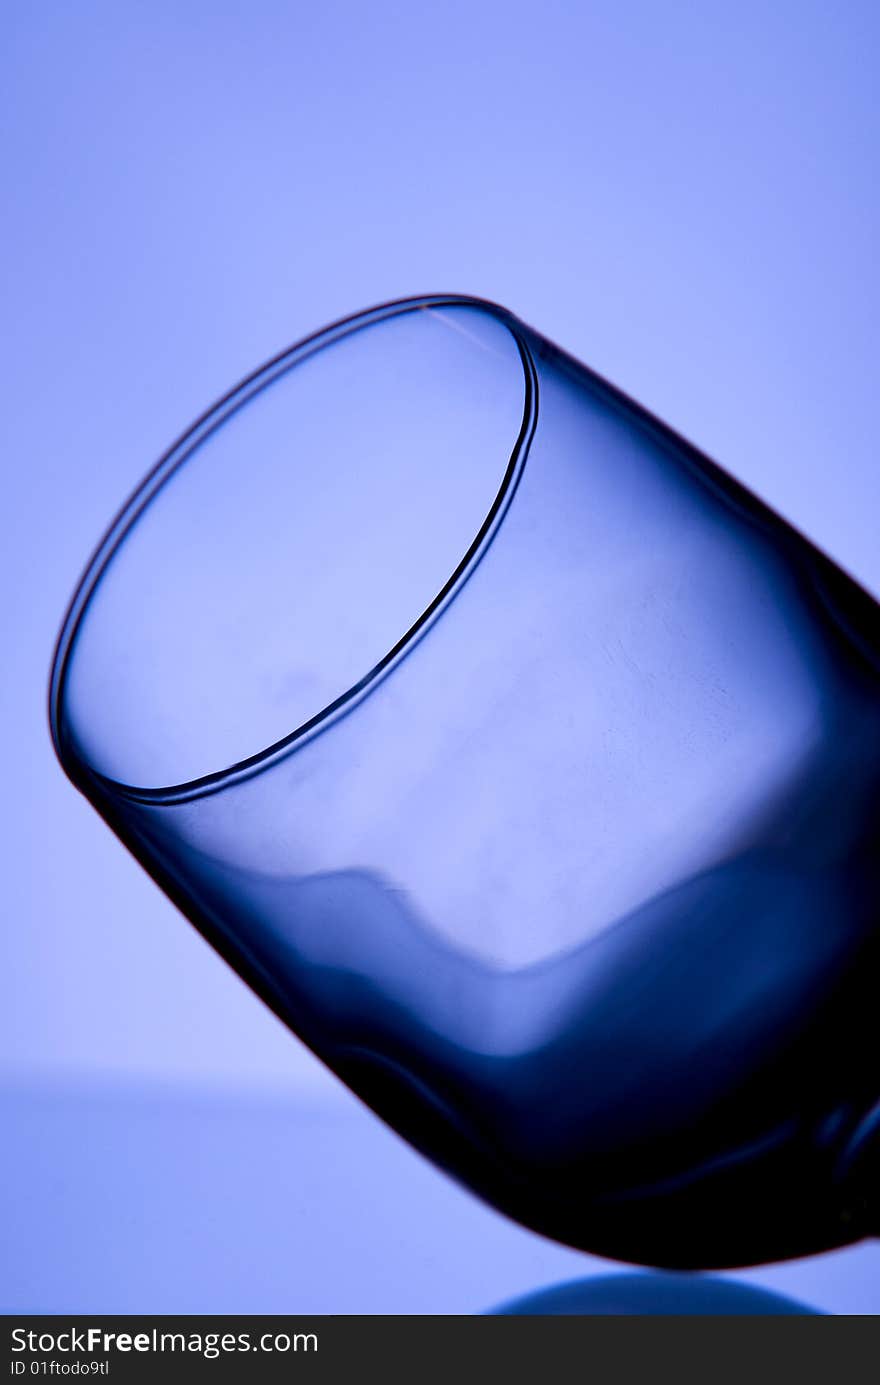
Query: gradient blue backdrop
{"points": [[683, 195]]}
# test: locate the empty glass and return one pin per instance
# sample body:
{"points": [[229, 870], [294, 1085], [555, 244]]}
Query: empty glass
{"points": [[525, 764]]}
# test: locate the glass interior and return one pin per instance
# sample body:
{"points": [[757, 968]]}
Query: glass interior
{"points": [[298, 540]]}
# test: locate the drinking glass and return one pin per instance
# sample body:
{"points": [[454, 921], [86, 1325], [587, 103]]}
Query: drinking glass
{"points": [[525, 764]]}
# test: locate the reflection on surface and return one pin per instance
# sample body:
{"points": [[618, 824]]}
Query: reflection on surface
{"points": [[655, 1295], [139, 1199]]}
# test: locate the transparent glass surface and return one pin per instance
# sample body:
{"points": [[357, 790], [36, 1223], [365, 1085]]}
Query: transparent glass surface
{"points": [[525, 764]]}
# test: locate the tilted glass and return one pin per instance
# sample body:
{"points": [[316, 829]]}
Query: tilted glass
{"points": [[525, 764]]}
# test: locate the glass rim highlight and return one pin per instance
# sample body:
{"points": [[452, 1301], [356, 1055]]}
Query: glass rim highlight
{"points": [[174, 459]]}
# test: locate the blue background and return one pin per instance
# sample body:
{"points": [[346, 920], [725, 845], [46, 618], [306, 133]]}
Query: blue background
{"points": [[682, 195]]}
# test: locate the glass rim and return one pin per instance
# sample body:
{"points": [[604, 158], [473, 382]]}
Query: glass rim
{"points": [[175, 457]]}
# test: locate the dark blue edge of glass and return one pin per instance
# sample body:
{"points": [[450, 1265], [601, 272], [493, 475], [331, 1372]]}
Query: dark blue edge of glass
{"points": [[177, 455]]}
